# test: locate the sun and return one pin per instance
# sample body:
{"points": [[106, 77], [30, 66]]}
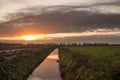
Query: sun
{"points": [[29, 38]]}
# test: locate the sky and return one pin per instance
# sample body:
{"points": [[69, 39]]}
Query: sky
{"points": [[60, 21]]}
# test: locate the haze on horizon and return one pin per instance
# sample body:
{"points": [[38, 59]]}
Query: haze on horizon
{"points": [[44, 21]]}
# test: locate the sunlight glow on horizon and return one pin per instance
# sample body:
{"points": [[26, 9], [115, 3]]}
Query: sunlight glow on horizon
{"points": [[103, 32], [30, 38]]}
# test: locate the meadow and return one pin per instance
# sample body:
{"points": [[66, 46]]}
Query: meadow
{"points": [[90, 63], [20, 66]]}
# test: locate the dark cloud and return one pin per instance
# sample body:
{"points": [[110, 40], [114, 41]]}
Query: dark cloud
{"points": [[59, 19], [116, 2]]}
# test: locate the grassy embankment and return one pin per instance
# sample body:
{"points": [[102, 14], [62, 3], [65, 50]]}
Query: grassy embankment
{"points": [[90, 63], [20, 66]]}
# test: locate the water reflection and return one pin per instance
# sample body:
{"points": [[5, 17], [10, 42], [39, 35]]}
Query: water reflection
{"points": [[48, 69], [53, 55]]}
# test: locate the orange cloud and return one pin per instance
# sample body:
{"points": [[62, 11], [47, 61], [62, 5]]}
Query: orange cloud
{"points": [[105, 32]]}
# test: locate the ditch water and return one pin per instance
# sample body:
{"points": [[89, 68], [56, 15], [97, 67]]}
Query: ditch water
{"points": [[48, 69]]}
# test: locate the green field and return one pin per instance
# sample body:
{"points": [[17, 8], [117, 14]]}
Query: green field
{"points": [[20, 66], [90, 63]]}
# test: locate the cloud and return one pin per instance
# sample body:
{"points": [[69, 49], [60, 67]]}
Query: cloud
{"points": [[56, 19], [98, 32], [15, 6], [33, 18]]}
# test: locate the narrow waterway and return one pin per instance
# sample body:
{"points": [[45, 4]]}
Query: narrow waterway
{"points": [[48, 69]]}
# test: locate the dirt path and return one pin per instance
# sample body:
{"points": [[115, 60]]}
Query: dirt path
{"points": [[48, 69]]}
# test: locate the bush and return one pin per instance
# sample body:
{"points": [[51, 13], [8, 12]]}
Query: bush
{"points": [[20, 66]]}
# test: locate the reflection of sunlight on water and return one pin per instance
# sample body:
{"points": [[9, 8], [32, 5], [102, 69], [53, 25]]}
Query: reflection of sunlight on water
{"points": [[54, 55]]}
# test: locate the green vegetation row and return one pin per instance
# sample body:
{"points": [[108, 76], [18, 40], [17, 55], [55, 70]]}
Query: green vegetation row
{"points": [[20, 66], [90, 63]]}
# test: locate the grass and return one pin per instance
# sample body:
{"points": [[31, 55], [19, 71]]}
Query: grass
{"points": [[20, 66], [90, 63]]}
